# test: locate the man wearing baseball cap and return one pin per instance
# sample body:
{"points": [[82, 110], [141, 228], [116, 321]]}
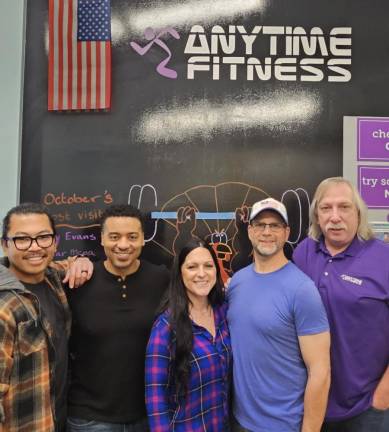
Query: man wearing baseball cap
{"points": [[279, 333]]}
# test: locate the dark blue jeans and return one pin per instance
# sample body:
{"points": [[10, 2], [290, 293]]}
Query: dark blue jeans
{"points": [[81, 425], [372, 420]]}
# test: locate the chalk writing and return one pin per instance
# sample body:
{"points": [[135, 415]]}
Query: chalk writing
{"points": [[64, 199]]}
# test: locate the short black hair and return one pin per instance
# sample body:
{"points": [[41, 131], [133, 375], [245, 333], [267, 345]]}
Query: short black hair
{"points": [[122, 210], [25, 209]]}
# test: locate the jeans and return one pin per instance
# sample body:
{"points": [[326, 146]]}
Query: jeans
{"points": [[81, 425], [371, 420]]}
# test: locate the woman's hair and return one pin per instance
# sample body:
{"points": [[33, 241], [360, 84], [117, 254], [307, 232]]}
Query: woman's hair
{"points": [[177, 303]]}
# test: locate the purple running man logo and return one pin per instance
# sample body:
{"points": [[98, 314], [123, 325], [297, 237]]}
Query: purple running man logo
{"points": [[154, 38]]}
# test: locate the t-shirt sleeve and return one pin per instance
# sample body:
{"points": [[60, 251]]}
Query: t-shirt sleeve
{"points": [[310, 315]]}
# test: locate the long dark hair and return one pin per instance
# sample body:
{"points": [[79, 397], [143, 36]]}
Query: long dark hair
{"points": [[178, 304]]}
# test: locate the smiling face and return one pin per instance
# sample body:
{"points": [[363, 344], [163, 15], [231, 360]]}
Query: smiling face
{"points": [[29, 265], [123, 240], [198, 273], [338, 217], [268, 242]]}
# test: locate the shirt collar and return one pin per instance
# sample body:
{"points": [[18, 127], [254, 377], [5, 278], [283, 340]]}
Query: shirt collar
{"points": [[352, 250]]}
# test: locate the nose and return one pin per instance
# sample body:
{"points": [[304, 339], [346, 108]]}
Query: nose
{"points": [[334, 214], [34, 245], [201, 271], [266, 231], [123, 243]]}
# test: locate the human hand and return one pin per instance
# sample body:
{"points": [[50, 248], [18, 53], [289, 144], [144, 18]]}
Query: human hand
{"points": [[80, 270]]}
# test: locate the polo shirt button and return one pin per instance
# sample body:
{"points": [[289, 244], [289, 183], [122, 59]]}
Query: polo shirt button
{"points": [[325, 273], [330, 260]]}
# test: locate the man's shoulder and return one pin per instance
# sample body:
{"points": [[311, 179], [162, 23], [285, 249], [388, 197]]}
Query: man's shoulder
{"points": [[374, 246], [306, 245], [158, 273], [243, 272], [8, 281]]}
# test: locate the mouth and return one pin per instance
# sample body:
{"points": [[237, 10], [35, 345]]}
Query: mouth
{"points": [[202, 284], [35, 259], [335, 229], [122, 255]]}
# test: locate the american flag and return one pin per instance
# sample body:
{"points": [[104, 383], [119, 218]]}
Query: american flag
{"points": [[79, 55]]}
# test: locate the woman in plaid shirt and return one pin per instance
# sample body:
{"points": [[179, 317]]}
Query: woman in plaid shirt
{"points": [[188, 357]]}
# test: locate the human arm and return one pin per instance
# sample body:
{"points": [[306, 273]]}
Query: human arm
{"points": [[381, 394], [7, 335], [157, 368], [315, 350], [77, 270]]}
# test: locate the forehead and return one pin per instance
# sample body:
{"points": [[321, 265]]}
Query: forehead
{"points": [[122, 224], [338, 192], [269, 216], [31, 223], [199, 254]]}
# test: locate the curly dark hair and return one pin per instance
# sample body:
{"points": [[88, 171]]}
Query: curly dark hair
{"points": [[177, 302], [122, 210]]}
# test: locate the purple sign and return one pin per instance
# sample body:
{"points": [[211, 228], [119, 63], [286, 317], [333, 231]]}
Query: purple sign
{"points": [[373, 184], [373, 139]]}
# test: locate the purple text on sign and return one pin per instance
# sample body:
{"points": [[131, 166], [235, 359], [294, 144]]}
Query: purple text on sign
{"points": [[373, 139], [373, 183]]}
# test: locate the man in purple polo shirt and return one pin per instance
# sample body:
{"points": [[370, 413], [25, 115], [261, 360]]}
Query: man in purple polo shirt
{"points": [[351, 270]]}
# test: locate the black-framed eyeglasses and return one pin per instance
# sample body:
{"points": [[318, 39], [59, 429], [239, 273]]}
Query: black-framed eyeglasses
{"points": [[24, 242], [274, 226]]}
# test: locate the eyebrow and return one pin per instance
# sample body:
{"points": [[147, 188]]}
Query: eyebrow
{"points": [[118, 233], [25, 234]]}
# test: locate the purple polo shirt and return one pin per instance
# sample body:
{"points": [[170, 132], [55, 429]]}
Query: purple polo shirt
{"points": [[354, 287]]}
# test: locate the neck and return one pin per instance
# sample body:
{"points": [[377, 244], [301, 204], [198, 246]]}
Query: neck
{"points": [[335, 250], [269, 264], [27, 278], [199, 305], [122, 272]]}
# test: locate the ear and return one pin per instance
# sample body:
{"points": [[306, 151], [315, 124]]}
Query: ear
{"points": [[287, 233], [249, 231], [4, 246]]}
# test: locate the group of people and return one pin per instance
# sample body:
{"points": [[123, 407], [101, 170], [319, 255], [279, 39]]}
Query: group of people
{"points": [[285, 347]]}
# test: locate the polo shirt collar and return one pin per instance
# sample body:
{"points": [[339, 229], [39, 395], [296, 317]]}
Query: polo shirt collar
{"points": [[352, 250]]}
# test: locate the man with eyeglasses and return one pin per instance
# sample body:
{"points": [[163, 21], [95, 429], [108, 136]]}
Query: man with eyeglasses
{"points": [[279, 334], [34, 325]]}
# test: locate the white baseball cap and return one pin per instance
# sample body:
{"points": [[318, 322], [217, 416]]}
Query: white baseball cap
{"points": [[269, 204]]}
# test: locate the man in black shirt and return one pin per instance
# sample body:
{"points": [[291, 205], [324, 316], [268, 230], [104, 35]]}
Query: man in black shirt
{"points": [[112, 318]]}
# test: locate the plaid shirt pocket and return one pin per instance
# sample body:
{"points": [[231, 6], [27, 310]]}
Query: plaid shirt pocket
{"points": [[31, 338]]}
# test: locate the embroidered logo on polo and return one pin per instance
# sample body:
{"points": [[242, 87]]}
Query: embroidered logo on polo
{"points": [[351, 279]]}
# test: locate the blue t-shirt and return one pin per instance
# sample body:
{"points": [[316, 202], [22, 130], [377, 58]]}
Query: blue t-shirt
{"points": [[267, 312]]}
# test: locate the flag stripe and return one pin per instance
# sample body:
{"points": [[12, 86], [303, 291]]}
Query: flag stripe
{"points": [[98, 73], [107, 68], [65, 69], [79, 77], [69, 54], [88, 75], [51, 56], [60, 53], [73, 34]]}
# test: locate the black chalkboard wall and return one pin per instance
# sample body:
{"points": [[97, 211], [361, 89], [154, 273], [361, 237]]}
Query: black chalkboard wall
{"points": [[247, 119]]}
